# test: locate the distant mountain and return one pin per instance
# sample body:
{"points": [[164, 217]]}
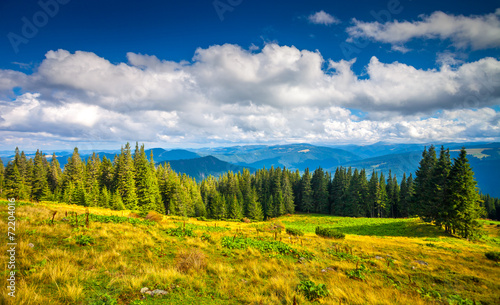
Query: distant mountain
{"points": [[160, 154], [293, 156], [397, 163], [203, 167], [483, 158]]}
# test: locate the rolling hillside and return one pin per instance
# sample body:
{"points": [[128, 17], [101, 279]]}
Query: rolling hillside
{"points": [[200, 168]]}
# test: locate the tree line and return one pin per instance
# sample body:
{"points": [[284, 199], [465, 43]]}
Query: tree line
{"points": [[443, 192]]}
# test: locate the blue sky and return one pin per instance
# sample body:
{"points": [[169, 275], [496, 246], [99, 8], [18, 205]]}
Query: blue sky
{"points": [[209, 73]]}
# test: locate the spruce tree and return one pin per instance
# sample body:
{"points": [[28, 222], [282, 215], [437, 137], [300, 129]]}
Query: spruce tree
{"points": [[2, 173], [254, 207], [319, 186], [125, 178], [40, 186], [54, 176], [14, 183], [288, 200], [423, 194], [145, 182], [307, 203], [440, 209], [464, 199]]}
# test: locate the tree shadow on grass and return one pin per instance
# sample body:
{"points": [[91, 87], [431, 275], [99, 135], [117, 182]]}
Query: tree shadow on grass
{"points": [[401, 228]]}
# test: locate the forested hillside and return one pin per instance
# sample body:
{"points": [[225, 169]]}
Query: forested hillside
{"points": [[132, 181]]}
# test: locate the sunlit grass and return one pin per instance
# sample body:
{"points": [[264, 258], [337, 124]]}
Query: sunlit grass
{"points": [[406, 261]]}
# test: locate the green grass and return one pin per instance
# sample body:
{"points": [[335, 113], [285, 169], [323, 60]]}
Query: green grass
{"points": [[411, 227], [380, 261]]}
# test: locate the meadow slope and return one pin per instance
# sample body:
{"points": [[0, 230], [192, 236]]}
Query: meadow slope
{"points": [[109, 259]]}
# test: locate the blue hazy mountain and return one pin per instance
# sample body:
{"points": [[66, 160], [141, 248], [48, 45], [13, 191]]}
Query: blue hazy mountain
{"points": [[292, 156], [203, 167]]}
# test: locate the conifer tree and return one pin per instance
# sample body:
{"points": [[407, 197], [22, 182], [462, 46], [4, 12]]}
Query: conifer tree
{"points": [[464, 199], [2, 173], [146, 188], [423, 194], [440, 208], [319, 186], [288, 200], [40, 187], [54, 176], [14, 183], [307, 203], [254, 207], [125, 178]]}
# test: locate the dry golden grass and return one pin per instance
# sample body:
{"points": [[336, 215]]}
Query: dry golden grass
{"points": [[190, 260], [125, 258]]}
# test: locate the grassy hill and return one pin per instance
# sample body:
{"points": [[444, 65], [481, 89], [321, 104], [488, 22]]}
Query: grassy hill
{"points": [[380, 261]]}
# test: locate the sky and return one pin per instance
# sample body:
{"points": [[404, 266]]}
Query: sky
{"points": [[187, 74]]}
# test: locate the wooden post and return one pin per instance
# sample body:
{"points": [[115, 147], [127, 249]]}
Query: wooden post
{"points": [[53, 215]]}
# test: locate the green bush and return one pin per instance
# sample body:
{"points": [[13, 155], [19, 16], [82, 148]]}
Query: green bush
{"points": [[181, 232], [294, 232], [493, 255], [329, 232], [84, 240], [312, 291]]}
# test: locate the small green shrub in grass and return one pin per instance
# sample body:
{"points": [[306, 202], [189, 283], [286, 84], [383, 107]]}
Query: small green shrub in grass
{"points": [[312, 291], [294, 232], [329, 232], [84, 240], [493, 255]]}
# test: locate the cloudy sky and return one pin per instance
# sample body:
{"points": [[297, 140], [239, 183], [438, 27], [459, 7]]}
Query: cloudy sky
{"points": [[212, 73]]}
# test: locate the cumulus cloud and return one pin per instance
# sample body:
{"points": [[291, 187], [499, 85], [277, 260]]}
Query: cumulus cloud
{"points": [[323, 18], [477, 32], [228, 94]]}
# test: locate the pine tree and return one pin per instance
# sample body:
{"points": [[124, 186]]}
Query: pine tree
{"points": [[2, 173], [383, 198], [441, 209], [40, 186], [125, 178], [254, 207], [288, 200], [423, 194], [404, 198], [373, 194], [307, 203], [464, 199], [319, 186], [145, 182], [14, 183], [54, 176]]}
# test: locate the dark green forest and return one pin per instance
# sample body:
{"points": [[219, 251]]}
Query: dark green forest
{"points": [[443, 191]]}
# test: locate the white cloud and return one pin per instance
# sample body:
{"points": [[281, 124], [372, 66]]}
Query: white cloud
{"points": [[229, 94], [477, 32], [323, 18]]}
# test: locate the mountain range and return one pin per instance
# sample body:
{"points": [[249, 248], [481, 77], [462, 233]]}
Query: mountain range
{"points": [[382, 157]]}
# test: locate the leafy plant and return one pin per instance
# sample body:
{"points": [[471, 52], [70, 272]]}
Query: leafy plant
{"points": [[329, 232], [104, 299], [84, 240], [493, 255], [312, 291], [357, 273], [238, 242], [181, 232]]}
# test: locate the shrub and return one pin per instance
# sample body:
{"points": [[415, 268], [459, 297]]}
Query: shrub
{"points": [[246, 220], [154, 216], [181, 232], [329, 232], [294, 232], [312, 291], [493, 255], [84, 240], [191, 259]]}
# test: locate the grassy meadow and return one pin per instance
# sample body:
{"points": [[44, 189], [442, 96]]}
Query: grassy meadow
{"points": [[110, 257]]}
